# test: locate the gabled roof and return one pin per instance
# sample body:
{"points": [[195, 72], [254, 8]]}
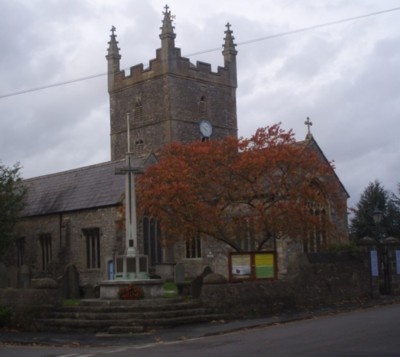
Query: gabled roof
{"points": [[310, 141], [83, 188]]}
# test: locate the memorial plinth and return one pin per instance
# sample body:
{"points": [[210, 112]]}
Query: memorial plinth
{"points": [[130, 267], [152, 288]]}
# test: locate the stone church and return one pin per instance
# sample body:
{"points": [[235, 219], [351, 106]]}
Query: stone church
{"points": [[76, 217]]}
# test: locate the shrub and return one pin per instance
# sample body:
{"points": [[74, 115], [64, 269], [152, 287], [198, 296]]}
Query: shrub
{"points": [[170, 289], [5, 315], [130, 292], [350, 247], [71, 302]]}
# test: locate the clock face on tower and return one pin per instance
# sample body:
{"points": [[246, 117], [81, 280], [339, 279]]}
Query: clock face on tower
{"points": [[205, 128]]}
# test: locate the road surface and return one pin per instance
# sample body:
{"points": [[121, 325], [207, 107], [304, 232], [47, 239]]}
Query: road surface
{"points": [[370, 332]]}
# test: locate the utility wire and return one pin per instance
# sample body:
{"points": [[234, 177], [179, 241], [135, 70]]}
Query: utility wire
{"points": [[264, 38], [52, 85], [304, 29]]}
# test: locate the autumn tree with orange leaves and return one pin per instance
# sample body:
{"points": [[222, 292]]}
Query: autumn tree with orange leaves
{"points": [[265, 185]]}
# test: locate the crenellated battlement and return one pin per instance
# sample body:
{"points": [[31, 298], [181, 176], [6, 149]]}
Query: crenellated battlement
{"points": [[176, 66]]}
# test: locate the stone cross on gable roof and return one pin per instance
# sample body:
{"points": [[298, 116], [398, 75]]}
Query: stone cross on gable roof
{"points": [[309, 124]]}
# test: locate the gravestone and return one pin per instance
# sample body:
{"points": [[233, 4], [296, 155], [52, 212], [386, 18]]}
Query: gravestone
{"points": [[44, 283], [88, 291], [179, 278], [179, 273], [70, 282], [3, 276], [13, 276], [214, 278], [24, 277], [197, 283]]}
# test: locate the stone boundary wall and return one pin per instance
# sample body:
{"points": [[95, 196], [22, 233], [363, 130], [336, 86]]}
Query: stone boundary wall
{"points": [[319, 279], [25, 306], [21, 298]]}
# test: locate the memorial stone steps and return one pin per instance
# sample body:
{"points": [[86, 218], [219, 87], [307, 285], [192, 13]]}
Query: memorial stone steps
{"points": [[125, 316]]}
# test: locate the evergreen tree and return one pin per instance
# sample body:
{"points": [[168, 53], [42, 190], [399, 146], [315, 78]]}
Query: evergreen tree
{"points": [[395, 208], [376, 197], [11, 203]]}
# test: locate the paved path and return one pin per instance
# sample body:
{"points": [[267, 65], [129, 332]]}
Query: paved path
{"points": [[174, 334]]}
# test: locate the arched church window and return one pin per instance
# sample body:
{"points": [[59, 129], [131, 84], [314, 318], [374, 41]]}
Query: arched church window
{"points": [[151, 240], [193, 247], [316, 237], [245, 236], [46, 248], [20, 243], [138, 113], [92, 237], [139, 147]]}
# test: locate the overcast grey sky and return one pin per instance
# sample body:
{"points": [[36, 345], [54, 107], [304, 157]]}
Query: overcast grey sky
{"points": [[345, 77]]}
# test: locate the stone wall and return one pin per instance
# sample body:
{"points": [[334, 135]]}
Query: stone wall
{"points": [[20, 298], [68, 243], [319, 279], [110, 241], [386, 278], [214, 254], [25, 306]]}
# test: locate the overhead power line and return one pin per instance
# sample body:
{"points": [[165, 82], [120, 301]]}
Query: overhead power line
{"points": [[264, 38], [52, 85], [304, 29]]}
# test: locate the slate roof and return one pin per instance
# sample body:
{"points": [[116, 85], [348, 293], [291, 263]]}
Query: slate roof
{"points": [[83, 188]]}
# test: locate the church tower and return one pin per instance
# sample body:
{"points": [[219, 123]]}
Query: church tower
{"points": [[172, 99]]}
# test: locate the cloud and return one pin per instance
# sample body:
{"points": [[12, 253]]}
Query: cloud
{"points": [[344, 77]]}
